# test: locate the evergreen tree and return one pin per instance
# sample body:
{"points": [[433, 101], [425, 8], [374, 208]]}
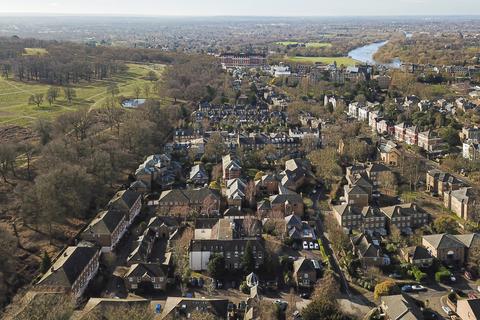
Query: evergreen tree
{"points": [[248, 260], [46, 262]]}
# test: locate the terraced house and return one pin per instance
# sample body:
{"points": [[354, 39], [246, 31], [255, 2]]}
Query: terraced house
{"points": [[71, 272], [227, 238], [190, 201], [405, 217]]}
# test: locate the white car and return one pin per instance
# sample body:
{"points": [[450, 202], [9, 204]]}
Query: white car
{"points": [[305, 245], [311, 246], [447, 310], [418, 287], [317, 247]]}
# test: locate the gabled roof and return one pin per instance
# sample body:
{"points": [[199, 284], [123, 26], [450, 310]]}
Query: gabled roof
{"points": [[405, 209], [124, 200], [401, 307], [443, 241], [303, 265], [150, 270], [217, 307], [68, 267], [418, 253], [105, 222]]}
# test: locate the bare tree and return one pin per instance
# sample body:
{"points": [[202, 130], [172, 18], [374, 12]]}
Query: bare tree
{"points": [[36, 99]]}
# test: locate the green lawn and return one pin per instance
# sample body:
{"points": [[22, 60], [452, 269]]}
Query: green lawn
{"points": [[35, 51], [325, 60], [312, 44], [14, 107]]}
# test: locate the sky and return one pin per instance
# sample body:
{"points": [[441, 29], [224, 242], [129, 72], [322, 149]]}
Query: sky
{"points": [[245, 7]]}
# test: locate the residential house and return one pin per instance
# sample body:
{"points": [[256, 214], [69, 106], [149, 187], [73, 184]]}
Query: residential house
{"points": [[440, 182], [389, 152], [198, 175], [182, 308], [400, 130], [356, 195], [400, 307], [472, 133], [418, 256], [128, 202], [71, 272], [164, 226], [430, 141], [267, 184], [106, 229], [235, 192], [189, 201], [445, 247], [462, 202], [146, 275], [232, 250], [286, 204], [297, 172], [383, 81], [468, 309], [411, 135], [298, 230], [231, 167], [369, 251], [471, 150], [228, 238], [157, 168], [304, 273], [405, 217]]}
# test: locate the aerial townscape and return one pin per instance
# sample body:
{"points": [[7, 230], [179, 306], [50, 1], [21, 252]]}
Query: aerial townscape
{"points": [[247, 165]]}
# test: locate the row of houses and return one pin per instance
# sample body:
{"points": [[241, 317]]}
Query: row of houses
{"points": [[75, 266], [406, 217]]}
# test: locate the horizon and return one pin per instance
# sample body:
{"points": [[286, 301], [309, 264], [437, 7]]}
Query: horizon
{"points": [[248, 8]]}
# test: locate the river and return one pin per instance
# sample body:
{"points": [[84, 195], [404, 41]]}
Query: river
{"points": [[365, 54]]}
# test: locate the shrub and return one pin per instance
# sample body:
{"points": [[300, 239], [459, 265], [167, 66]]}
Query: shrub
{"points": [[442, 275], [417, 274], [385, 288], [244, 287]]}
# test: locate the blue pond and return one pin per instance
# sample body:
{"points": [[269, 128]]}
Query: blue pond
{"points": [[133, 103]]}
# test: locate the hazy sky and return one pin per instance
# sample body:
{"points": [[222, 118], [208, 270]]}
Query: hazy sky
{"points": [[246, 7]]}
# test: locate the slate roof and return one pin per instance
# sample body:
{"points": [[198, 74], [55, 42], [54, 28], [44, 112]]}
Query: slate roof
{"points": [[146, 269], [443, 241], [105, 222], [124, 199], [418, 253], [68, 267], [217, 307], [401, 307]]}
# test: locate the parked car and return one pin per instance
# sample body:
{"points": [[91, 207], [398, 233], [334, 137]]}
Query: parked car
{"points": [[472, 295], [468, 275], [453, 279], [158, 308], [219, 284], [447, 310], [395, 275], [304, 295], [418, 288], [311, 246], [242, 305], [317, 247], [305, 245], [407, 288]]}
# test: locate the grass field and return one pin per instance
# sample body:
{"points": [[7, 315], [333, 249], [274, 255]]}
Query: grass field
{"points": [[308, 44], [325, 60], [35, 51], [14, 95]]}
